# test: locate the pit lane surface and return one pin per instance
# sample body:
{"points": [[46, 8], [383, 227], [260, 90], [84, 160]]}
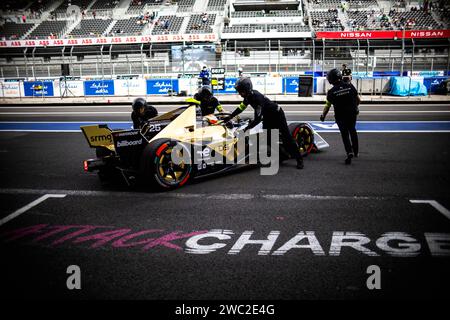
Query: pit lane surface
{"points": [[368, 199]]}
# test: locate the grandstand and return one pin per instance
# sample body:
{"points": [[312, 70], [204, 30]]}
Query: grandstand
{"points": [[251, 28], [413, 20], [104, 4], [368, 20], [48, 28], [13, 5], [216, 5], [272, 13], [326, 20], [168, 25], [131, 26], [90, 27], [137, 6], [339, 4], [14, 31], [197, 24], [185, 5], [62, 8], [262, 35]]}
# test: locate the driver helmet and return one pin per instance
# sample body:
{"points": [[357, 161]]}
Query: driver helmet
{"points": [[211, 119], [138, 103]]}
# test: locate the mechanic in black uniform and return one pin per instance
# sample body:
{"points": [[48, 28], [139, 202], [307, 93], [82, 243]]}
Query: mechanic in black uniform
{"points": [[346, 73], [344, 97], [142, 112], [208, 103], [268, 112]]}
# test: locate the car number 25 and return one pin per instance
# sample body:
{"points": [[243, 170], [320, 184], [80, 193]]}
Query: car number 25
{"points": [[154, 127]]}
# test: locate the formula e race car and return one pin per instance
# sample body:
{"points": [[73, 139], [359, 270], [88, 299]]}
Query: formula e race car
{"points": [[202, 146]]}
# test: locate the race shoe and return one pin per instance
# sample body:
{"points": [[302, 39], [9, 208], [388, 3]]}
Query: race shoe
{"points": [[349, 158], [300, 164]]}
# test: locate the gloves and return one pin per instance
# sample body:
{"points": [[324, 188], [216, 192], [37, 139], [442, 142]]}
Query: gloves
{"points": [[226, 119], [322, 118]]}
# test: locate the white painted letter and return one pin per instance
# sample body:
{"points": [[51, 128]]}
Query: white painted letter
{"points": [[439, 243], [73, 281], [356, 241], [194, 247], [266, 245], [313, 244], [374, 281], [409, 247]]}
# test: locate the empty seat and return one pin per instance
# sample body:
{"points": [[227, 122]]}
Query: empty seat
{"points": [[128, 27], [90, 27], [196, 24], [13, 31], [173, 27], [326, 20], [46, 28]]}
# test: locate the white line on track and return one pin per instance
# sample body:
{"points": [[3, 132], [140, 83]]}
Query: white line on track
{"points": [[289, 121], [318, 105], [217, 196], [18, 212], [435, 205], [319, 131], [89, 113]]}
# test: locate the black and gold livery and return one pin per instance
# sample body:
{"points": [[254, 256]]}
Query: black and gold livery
{"points": [[145, 155]]}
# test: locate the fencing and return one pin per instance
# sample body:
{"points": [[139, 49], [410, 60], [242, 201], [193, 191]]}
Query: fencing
{"points": [[377, 84], [283, 57]]}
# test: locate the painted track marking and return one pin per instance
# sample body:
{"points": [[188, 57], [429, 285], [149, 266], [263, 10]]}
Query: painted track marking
{"points": [[32, 204], [435, 205]]}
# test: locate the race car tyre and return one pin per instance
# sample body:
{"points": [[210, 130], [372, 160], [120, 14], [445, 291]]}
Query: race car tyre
{"points": [[159, 169], [303, 135]]}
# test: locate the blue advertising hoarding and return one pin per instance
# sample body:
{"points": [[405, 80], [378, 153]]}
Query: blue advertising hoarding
{"points": [[38, 88], [290, 85], [162, 86], [99, 88], [228, 86], [432, 84]]}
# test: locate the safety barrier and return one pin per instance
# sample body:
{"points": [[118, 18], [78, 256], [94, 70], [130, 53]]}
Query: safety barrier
{"points": [[371, 84]]}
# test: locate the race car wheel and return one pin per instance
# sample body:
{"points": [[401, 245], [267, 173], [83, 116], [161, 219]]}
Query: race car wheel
{"points": [[303, 135], [160, 170]]}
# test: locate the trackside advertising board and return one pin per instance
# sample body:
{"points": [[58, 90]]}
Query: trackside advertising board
{"points": [[38, 88], [208, 37], [162, 86], [11, 89], [384, 34], [99, 88]]}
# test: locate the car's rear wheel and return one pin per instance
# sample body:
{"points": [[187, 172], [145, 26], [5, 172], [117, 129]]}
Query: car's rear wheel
{"points": [[159, 167], [303, 135]]}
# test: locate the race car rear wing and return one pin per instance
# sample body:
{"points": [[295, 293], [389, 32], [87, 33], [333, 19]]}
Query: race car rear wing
{"points": [[98, 135]]}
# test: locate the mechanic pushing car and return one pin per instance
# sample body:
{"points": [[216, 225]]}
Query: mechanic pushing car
{"points": [[142, 112], [345, 99], [208, 103], [269, 113]]}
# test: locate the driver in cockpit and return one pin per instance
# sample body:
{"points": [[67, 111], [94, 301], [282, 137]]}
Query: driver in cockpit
{"points": [[208, 103]]}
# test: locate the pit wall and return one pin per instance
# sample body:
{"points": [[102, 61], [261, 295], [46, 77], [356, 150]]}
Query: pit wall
{"points": [[370, 83]]}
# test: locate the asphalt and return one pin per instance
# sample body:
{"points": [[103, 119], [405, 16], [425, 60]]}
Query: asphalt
{"points": [[296, 112], [369, 200], [226, 98]]}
